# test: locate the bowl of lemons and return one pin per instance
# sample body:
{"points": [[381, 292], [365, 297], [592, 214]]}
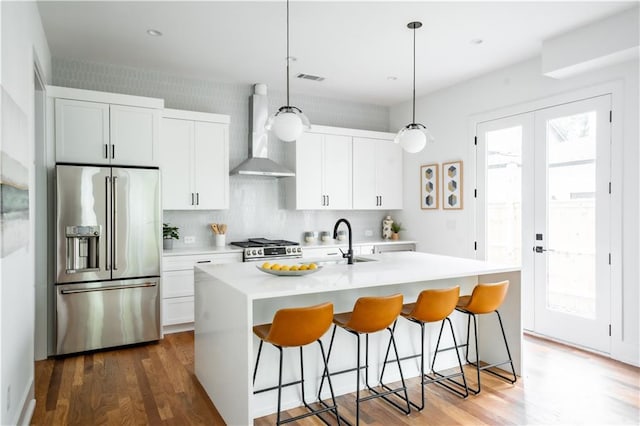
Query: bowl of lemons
{"points": [[289, 270]]}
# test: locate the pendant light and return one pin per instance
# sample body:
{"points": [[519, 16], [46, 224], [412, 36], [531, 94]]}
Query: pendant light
{"points": [[288, 122], [413, 137]]}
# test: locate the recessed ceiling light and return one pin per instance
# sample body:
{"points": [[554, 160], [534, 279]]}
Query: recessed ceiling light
{"points": [[477, 41], [154, 33], [392, 78]]}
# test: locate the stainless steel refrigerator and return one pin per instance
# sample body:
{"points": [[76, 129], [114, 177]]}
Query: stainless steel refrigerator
{"points": [[108, 249]]}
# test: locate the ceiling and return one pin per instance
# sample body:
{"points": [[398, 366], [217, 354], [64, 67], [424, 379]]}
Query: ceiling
{"points": [[358, 47]]}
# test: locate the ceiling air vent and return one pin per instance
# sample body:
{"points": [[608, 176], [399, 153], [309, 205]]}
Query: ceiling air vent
{"points": [[310, 77]]}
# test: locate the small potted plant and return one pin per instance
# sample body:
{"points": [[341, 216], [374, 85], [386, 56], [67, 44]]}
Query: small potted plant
{"points": [[169, 233], [395, 229]]}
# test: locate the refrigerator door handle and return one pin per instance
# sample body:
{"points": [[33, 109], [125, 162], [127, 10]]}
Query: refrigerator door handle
{"points": [[115, 287], [114, 229], [107, 267]]}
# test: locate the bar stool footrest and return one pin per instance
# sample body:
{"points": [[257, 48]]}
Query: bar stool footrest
{"points": [[439, 379], [486, 368]]}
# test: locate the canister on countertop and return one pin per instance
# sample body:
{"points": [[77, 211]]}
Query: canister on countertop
{"points": [[386, 227]]}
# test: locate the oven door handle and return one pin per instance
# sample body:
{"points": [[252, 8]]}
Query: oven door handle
{"points": [[115, 287]]}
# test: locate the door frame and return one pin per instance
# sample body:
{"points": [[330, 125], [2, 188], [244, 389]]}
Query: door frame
{"points": [[614, 88]]}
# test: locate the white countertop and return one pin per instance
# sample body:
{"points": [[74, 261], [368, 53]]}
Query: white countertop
{"points": [[387, 269], [187, 251]]}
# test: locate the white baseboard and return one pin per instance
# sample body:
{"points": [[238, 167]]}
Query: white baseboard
{"points": [[28, 406]]}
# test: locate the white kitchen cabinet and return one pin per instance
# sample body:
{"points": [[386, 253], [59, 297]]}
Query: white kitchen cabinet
{"points": [[323, 173], [194, 161], [178, 286], [91, 129], [377, 174]]}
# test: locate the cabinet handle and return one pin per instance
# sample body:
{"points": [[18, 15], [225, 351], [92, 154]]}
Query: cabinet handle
{"points": [[328, 201], [197, 198], [324, 203], [106, 151], [192, 198], [113, 151], [381, 200], [203, 261]]}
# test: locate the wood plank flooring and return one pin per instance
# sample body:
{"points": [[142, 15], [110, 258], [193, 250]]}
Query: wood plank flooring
{"points": [[155, 385]]}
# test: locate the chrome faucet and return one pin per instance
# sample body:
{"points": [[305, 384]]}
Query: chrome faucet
{"points": [[349, 254]]}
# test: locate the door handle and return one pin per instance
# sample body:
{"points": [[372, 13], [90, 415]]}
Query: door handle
{"points": [[106, 151], [107, 182], [197, 198], [113, 151], [114, 230], [540, 249], [115, 287]]}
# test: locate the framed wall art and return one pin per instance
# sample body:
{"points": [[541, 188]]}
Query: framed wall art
{"points": [[429, 184], [452, 185]]}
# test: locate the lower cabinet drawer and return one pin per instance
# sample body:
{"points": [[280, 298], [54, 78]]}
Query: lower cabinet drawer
{"points": [[177, 284], [177, 310]]}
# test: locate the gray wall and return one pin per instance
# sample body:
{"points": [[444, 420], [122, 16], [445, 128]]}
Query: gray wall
{"points": [[256, 204]]}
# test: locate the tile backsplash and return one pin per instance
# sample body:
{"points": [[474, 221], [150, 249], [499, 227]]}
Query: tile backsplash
{"points": [[256, 204]]}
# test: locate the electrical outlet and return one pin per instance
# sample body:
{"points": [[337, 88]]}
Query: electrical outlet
{"points": [[189, 240], [368, 233]]}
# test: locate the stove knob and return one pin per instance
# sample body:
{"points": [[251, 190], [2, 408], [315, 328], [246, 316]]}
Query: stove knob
{"points": [[288, 249], [299, 250], [260, 252], [254, 252]]}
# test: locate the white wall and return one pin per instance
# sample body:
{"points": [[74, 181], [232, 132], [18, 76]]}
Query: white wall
{"points": [[449, 112], [21, 38]]}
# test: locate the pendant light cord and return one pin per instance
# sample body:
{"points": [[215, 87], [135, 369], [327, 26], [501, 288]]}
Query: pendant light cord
{"points": [[288, 54], [414, 74]]}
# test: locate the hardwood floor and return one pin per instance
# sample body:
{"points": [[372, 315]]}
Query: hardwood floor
{"points": [[155, 385]]}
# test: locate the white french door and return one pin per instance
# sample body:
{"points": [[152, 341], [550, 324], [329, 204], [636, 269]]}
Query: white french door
{"points": [[543, 203], [571, 254]]}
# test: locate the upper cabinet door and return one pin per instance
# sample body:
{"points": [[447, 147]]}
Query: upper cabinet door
{"points": [[211, 166], [309, 190], [176, 147], [365, 193], [82, 132], [389, 174], [134, 135], [377, 174], [337, 171]]}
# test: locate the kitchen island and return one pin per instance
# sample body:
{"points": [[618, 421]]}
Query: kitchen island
{"points": [[230, 299]]}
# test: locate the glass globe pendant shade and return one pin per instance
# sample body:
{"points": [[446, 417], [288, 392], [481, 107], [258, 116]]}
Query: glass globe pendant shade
{"points": [[413, 137], [288, 123]]}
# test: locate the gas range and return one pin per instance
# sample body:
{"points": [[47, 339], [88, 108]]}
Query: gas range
{"points": [[256, 249]]}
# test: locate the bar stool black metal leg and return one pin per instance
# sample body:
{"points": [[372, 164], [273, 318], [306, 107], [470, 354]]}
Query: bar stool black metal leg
{"points": [[333, 397], [404, 385], [279, 384], [358, 382], [455, 345], [325, 373], [422, 367], [255, 369], [386, 357], [506, 345]]}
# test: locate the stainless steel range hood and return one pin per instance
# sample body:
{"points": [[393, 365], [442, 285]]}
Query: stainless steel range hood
{"points": [[258, 163]]}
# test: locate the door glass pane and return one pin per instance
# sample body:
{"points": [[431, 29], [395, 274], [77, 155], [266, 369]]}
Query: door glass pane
{"points": [[571, 219], [504, 195]]}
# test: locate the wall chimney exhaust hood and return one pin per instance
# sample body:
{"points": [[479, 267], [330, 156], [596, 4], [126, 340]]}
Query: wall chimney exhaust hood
{"points": [[258, 163]]}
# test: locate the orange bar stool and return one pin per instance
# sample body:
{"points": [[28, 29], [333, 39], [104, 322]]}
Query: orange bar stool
{"points": [[370, 315], [297, 327], [485, 299], [433, 305]]}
